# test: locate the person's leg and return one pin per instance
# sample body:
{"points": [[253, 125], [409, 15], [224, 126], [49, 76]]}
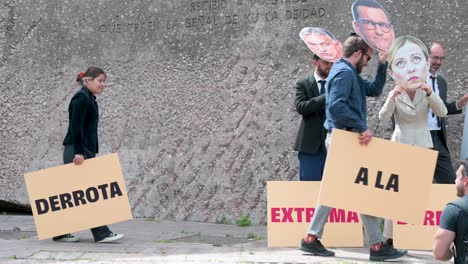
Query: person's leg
{"points": [[311, 243], [319, 220], [68, 155], [444, 172], [311, 166], [102, 234], [379, 251], [388, 231]]}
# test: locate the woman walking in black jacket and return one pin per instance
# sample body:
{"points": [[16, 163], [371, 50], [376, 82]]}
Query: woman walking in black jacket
{"points": [[81, 141]]}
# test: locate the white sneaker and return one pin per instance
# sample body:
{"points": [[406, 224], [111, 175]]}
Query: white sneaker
{"points": [[112, 237], [67, 238]]}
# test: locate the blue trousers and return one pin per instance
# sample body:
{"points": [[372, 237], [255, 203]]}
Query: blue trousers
{"points": [[311, 165]]}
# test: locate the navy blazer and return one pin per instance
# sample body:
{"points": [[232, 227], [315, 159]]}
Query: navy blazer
{"points": [[83, 114]]}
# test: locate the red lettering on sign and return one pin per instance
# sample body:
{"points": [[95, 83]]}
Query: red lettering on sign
{"points": [[337, 216], [352, 217], [287, 215], [309, 214], [300, 215], [275, 214], [429, 218]]}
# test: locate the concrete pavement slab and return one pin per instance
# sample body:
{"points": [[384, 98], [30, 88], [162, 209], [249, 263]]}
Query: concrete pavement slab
{"points": [[155, 241]]}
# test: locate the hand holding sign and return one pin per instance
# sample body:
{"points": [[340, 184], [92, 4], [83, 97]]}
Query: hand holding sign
{"points": [[71, 198]]}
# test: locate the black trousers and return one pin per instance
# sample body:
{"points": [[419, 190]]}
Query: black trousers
{"points": [[99, 232], [444, 172]]}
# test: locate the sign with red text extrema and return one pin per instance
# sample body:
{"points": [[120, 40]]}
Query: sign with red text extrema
{"points": [[291, 206]]}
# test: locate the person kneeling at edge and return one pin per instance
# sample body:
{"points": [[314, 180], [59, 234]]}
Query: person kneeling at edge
{"points": [[346, 94], [81, 141]]}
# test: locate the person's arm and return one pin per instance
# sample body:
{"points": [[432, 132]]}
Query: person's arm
{"points": [[445, 234], [389, 107], [442, 243], [375, 87], [339, 91], [305, 106], [79, 105], [452, 107], [437, 105]]}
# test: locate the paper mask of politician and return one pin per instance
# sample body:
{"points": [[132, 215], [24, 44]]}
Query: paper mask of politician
{"points": [[322, 43], [408, 62], [371, 22]]}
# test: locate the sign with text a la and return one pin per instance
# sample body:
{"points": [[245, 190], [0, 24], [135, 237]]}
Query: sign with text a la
{"points": [[71, 198], [421, 237], [384, 179], [291, 206]]}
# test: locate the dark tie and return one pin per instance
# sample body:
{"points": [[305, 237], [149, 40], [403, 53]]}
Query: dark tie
{"points": [[433, 78], [433, 83], [322, 86]]}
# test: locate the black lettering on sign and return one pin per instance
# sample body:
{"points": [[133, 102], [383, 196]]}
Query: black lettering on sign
{"points": [[92, 195], [392, 183], [115, 190], [66, 200], [42, 206], [362, 176], [78, 198]]}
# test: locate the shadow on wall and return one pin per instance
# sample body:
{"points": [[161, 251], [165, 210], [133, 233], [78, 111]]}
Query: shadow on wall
{"points": [[11, 208]]}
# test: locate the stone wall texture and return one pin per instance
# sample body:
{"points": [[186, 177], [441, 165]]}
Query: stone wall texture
{"points": [[199, 102]]}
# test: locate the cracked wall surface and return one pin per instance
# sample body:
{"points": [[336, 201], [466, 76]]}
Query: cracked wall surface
{"points": [[199, 102]]}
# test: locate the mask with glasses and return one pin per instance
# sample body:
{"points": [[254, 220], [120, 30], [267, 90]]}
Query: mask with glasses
{"points": [[371, 25]]}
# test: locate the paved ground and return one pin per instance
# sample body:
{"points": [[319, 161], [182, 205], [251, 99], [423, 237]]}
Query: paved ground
{"points": [[154, 241]]}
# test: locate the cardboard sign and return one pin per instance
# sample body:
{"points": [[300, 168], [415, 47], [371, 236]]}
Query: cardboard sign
{"points": [[291, 206], [384, 179], [421, 237], [71, 198]]}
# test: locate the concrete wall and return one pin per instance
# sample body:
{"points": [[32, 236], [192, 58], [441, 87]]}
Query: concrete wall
{"points": [[199, 102]]}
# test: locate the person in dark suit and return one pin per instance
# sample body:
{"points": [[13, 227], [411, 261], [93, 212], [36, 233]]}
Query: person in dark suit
{"points": [[444, 172], [81, 140], [310, 104]]}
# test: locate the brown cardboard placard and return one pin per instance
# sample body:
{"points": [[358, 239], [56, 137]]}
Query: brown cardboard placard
{"points": [[71, 198], [384, 179], [421, 237], [291, 205]]}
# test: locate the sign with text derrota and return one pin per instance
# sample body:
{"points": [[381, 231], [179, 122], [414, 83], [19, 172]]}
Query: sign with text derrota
{"points": [[291, 207], [71, 198], [384, 179]]}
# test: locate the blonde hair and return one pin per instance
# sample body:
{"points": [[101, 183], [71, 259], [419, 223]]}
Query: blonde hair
{"points": [[399, 42]]}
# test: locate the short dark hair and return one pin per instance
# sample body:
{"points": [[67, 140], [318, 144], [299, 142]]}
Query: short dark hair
{"points": [[353, 44], [315, 57], [367, 3], [465, 167], [91, 72]]}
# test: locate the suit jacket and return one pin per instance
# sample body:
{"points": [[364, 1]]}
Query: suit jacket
{"points": [[83, 115], [311, 106], [451, 107], [411, 124]]}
